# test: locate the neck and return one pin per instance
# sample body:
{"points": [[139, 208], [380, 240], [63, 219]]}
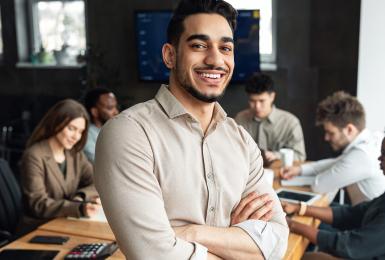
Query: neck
{"points": [[202, 111], [97, 123], [57, 149]]}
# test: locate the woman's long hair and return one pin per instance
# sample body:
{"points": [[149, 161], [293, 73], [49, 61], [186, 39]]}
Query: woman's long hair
{"points": [[56, 119]]}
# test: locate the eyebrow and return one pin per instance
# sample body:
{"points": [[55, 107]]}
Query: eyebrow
{"points": [[204, 37]]}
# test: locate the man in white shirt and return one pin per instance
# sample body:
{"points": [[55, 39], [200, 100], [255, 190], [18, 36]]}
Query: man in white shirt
{"points": [[356, 169], [177, 177], [101, 105]]}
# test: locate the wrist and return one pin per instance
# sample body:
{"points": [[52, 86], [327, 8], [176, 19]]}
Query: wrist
{"points": [[193, 233], [299, 170], [302, 208]]}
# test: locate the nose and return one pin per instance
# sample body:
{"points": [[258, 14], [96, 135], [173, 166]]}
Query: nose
{"points": [[214, 58]]}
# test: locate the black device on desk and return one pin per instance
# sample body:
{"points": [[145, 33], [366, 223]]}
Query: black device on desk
{"points": [[22, 254], [92, 251], [296, 196], [57, 240]]}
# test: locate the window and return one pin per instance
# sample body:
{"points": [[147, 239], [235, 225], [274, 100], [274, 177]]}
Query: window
{"points": [[58, 30], [267, 25]]}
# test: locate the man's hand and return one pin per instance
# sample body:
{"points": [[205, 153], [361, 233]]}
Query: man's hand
{"points": [[96, 200], [89, 209], [253, 206], [289, 172], [270, 156], [290, 208]]}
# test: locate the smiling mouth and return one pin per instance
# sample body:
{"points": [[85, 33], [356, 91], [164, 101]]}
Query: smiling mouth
{"points": [[212, 77]]}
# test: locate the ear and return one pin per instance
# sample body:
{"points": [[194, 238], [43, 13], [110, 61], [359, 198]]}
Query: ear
{"points": [[169, 55], [272, 96], [351, 129], [94, 112]]}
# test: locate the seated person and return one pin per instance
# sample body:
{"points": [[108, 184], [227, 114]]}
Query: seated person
{"points": [[56, 177], [343, 119], [270, 127], [101, 105], [360, 229]]}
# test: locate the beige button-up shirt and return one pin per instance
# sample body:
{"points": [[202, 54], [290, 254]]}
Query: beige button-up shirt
{"points": [[280, 129], [155, 169]]}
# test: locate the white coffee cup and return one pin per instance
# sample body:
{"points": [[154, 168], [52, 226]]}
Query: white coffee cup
{"points": [[287, 157]]}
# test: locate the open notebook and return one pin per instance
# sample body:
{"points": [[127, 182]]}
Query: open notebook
{"points": [[99, 216]]}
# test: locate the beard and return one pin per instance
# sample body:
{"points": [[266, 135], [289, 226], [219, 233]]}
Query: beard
{"points": [[186, 84]]}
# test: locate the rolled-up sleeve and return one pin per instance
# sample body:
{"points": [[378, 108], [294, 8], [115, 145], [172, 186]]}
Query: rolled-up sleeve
{"points": [[271, 237], [348, 169], [131, 195]]}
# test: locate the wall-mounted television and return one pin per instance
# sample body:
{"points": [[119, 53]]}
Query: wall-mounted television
{"points": [[151, 29]]}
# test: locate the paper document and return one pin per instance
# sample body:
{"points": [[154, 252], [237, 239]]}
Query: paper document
{"points": [[99, 216], [299, 181]]}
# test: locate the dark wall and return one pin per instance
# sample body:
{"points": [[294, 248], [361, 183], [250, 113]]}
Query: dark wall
{"points": [[317, 53]]}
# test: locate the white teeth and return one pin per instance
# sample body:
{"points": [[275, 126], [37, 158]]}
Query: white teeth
{"points": [[211, 76]]}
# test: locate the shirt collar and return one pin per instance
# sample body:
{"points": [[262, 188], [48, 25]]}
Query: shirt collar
{"points": [[174, 108], [361, 137], [271, 118]]}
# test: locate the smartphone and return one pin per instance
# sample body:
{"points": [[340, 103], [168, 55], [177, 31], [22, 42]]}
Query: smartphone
{"points": [[57, 240]]}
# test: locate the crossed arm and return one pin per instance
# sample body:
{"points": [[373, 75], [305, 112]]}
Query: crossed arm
{"points": [[134, 205], [232, 242]]}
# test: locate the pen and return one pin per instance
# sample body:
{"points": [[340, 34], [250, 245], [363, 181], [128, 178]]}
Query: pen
{"points": [[85, 201]]}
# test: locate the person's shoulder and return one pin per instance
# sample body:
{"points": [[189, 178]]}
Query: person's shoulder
{"points": [[244, 115], [286, 115], [37, 149], [36, 152], [130, 121], [140, 110], [237, 129]]}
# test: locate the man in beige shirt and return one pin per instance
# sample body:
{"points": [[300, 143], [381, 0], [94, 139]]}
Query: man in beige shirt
{"points": [[271, 128], [178, 179]]}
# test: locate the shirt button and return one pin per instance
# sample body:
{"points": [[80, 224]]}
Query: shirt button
{"points": [[212, 209], [210, 176]]}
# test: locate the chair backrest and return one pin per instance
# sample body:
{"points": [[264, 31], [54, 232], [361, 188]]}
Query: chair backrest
{"points": [[10, 198]]}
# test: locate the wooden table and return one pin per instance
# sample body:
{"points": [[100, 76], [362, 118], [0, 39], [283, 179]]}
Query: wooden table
{"points": [[93, 231], [22, 243], [297, 244]]}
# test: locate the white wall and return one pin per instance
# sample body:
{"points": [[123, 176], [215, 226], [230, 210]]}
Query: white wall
{"points": [[371, 63]]}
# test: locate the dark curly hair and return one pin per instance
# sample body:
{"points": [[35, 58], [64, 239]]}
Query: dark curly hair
{"points": [[259, 83], [189, 7], [341, 109]]}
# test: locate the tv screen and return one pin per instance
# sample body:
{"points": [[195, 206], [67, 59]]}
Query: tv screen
{"points": [[151, 27]]}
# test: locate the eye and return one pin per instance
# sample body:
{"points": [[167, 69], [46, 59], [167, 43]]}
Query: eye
{"points": [[71, 128], [227, 48], [198, 46]]}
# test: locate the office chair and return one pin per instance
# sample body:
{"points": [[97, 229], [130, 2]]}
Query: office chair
{"points": [[10, 203]]}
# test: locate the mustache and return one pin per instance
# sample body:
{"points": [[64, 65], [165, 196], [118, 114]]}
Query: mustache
{"points": [[213, 68]]}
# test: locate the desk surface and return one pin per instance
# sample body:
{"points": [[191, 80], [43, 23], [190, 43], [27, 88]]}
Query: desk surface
{"points": [[297, 244], [94, 231], [22, 243]]}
